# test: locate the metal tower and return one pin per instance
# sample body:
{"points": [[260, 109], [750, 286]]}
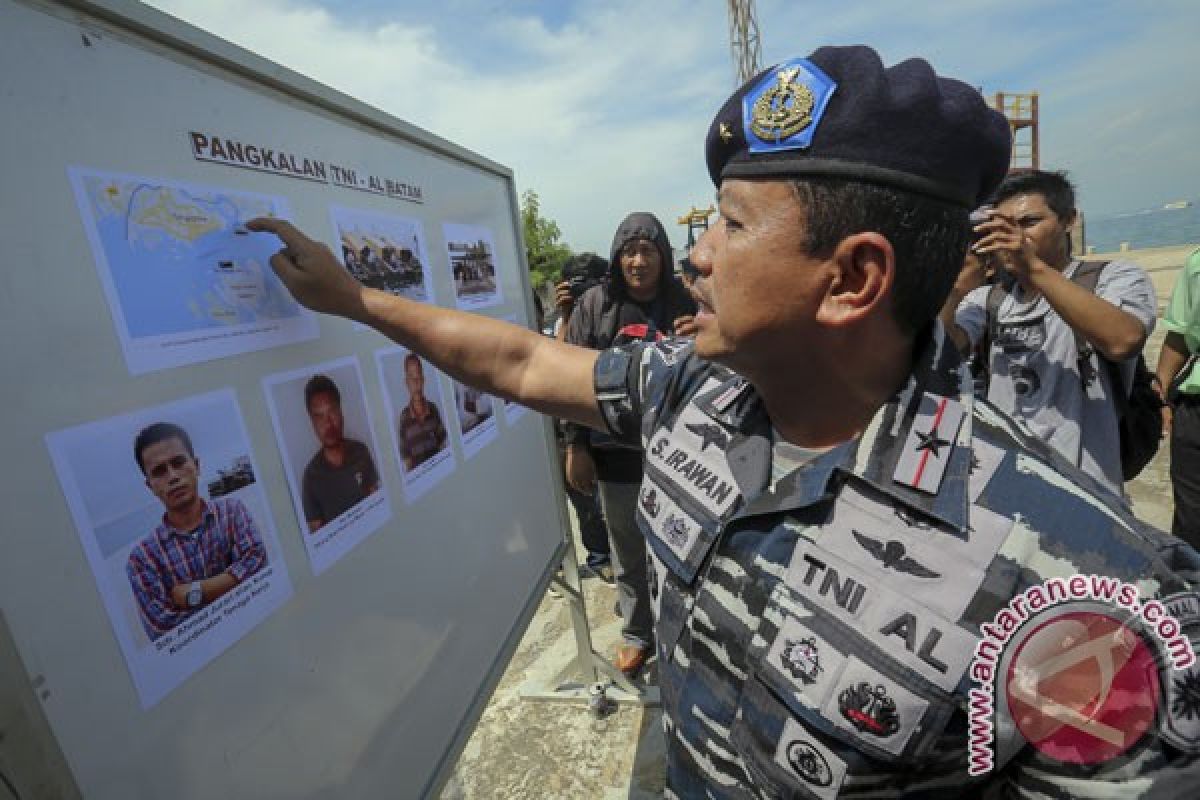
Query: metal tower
{"points": [[1021, 108], [743, 40]]}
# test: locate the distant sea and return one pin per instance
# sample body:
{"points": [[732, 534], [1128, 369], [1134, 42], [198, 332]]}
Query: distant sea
{"points": [[1151, 227]]}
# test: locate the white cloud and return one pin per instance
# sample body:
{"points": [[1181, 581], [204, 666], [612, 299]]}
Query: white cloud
{"points": [[604, 110], [606, 114]]}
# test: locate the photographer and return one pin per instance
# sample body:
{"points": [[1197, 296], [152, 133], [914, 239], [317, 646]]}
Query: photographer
{"points": [[640, 301], [580, 273], [1050, 335]]}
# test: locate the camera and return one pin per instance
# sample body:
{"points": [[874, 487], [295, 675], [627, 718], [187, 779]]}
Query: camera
{"points": [[978, 217], [583, 271]]}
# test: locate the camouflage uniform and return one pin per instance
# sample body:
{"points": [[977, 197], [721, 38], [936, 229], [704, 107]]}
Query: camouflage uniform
{"points": [[814, 633]]}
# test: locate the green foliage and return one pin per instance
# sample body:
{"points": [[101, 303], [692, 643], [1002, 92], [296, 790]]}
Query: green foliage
{"points": [[544, 247]]}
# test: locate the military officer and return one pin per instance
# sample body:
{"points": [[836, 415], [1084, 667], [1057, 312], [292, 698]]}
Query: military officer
{"points": [[850, 559]]}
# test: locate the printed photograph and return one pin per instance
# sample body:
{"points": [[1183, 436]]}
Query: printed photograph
{"points": [[384, 251], [417, 412], [323, 429], [475, 416], [471, 254], [177, 530]]}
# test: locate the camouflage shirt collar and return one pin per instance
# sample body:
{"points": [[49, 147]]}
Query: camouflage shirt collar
{"points": [[873, 456]]}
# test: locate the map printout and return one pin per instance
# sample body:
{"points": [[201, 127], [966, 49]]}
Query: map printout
{"points": [[185, 280]]}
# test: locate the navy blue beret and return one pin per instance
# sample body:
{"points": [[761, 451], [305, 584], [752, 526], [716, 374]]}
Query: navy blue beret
{"points": [[841, 113]]}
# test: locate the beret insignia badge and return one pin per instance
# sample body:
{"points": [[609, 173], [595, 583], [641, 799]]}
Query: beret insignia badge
{"points": [[783, 110]]}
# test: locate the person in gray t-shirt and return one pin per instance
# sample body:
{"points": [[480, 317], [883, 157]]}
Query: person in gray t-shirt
{"points": [[1033, 360], [341, 473]]}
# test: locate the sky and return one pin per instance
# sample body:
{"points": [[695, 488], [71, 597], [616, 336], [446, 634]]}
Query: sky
{"points": [[601, 106]]}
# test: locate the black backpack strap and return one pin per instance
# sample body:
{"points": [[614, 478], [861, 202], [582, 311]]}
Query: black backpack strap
{"points": [[991, 314], [1087, 275]]}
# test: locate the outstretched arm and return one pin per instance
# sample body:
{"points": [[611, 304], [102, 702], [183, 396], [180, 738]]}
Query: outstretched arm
{"points": [[497, 357]]}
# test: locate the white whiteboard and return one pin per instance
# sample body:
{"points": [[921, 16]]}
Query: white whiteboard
{"points": [[367, 681]]}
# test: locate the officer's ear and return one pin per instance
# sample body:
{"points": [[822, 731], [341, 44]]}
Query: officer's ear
{"points": [[863, 269]]}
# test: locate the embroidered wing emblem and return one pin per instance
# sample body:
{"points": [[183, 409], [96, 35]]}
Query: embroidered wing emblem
{"points": [[893, 555]]}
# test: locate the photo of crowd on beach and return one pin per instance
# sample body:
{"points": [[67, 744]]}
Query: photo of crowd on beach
{"points": [[471, 254], [177, 530], [384, 251]]}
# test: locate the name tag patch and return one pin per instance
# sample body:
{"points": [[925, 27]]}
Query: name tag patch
{"points": [[692, 456], [909, 632], [801, 754]]}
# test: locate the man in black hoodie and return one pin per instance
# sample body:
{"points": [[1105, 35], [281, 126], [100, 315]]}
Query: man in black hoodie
{"points": [[641, 301]]}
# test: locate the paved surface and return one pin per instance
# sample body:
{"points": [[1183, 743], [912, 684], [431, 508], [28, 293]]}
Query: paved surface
{"points": [[530, 749]]}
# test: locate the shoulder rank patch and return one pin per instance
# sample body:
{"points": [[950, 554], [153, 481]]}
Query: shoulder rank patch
{"points": [[783, 111], [930, 442]]}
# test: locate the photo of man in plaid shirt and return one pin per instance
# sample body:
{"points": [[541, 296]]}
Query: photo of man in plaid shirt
{"points": [[201, 549]]}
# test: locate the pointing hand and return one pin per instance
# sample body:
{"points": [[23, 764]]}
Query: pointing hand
{"points": [[310, 271]]}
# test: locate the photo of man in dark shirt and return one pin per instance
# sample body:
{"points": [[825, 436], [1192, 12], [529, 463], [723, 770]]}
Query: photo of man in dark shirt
{"points": [[422, 433], [341, 473]]}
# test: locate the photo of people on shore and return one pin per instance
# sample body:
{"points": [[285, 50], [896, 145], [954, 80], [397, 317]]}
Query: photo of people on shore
{"points": [[471, 254], [177, 530], [384, 251], [417, 411], [324, 433], [476, 417]]}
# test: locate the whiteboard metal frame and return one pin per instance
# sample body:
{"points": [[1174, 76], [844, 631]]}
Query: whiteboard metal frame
{"points": [[161, 29]]}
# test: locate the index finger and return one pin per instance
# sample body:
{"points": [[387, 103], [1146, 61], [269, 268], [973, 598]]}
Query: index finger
{"points": [[291, 235]]}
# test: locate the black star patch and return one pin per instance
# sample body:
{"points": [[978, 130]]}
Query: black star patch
{"points": [[931, 442], [709, 434]]}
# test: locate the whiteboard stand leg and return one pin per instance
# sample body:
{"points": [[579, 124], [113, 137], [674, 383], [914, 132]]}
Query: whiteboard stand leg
{"points": [[590, 666]]}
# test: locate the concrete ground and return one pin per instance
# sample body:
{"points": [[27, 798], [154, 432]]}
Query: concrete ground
{"points": [[530, 749]]}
